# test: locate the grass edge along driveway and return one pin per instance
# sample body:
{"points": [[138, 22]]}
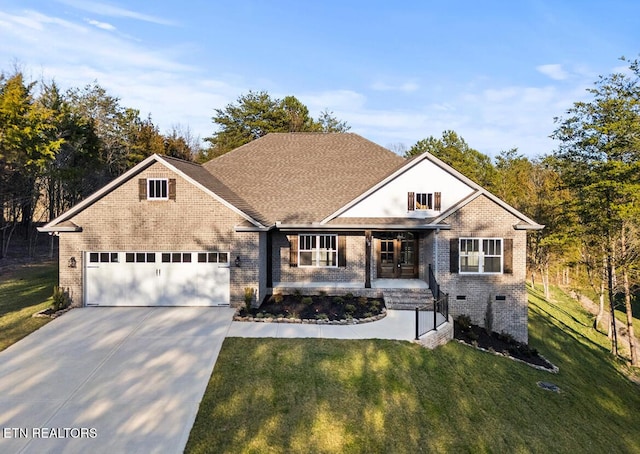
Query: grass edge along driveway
{"points": [[334, 396], [23, 292]]}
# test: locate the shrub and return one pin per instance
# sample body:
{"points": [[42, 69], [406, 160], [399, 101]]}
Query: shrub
{"points": [[362, 300], [249, 292], [276, 298], [60, 298], [321, 316], [368, 314], [506, 337], [464, 321], [322, 293], [297, 293], [375, 304], [307, 300], [349, 296], [349, 308], [338, 300], [488, 316]]}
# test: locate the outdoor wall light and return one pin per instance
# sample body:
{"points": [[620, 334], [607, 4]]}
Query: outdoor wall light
{"points": [[72, 262], [237, 262]]}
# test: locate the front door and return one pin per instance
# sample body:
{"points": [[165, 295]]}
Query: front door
{"points": [[397, 256]]}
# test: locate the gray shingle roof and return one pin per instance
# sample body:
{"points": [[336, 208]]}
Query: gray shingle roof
{"points": [[301, 177], [209, 181]]}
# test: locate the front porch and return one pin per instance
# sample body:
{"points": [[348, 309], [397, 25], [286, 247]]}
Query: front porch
{"points": [[401, 294], [376, 285]]}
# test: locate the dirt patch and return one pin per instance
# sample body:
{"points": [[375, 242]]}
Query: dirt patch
{"points": [[502, 344], [317, 307]]}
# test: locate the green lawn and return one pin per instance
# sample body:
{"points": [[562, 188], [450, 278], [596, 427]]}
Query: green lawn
{"points": [[24, 292], [333, 396]]}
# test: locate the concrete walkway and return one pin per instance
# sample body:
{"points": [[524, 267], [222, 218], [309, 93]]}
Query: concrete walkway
{"points": [[398, 325], [109, 380]]}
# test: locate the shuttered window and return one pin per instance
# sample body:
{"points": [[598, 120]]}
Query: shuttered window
{"points": [[417, 201], [481, 255], [323, 251], [157, 189]]}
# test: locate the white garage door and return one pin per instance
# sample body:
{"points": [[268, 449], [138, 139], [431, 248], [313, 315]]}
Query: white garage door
{"points": [[157, 278]]}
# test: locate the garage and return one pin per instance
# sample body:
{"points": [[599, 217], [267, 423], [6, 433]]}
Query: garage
{"points": [[142, 278]]}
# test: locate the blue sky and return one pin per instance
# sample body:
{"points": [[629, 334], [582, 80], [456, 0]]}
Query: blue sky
{"points": [[496, 72]]}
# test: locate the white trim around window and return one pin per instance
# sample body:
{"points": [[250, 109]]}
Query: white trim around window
{"points": [[158, 189], [481, 255], [318, 251]]}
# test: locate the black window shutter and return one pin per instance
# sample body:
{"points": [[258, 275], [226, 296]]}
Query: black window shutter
{"points": [[172, 189], [142, 189], [342, 250], [437, 204], [454, 255], [508, 256], [430, 201], [411, 199], [293, 250]]}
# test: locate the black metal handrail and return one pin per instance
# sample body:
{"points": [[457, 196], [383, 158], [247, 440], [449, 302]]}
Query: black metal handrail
{"points": [[423, 313], [433, 284], [440, 306]]}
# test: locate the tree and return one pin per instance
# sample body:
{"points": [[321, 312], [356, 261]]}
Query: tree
{"points": [[453, 150], [124, 139], [599, 160], [256, 114], [26, 148], [180, 143], [327, 122]]}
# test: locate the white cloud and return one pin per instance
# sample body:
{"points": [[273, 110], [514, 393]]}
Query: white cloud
{"points": [[407, 87], [114, 11], [102, 25], [334, 100], [556, 72], [151, 80]]}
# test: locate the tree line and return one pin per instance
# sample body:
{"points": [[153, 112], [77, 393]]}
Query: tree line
{"points": [[586, 193], [58, 147]]}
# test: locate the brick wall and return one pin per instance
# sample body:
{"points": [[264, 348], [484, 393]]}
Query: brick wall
{"points": [[195, 221], [484, 218], [284, 273]]}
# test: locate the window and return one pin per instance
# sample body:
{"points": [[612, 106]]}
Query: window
{"points": [[213, 257], [481, 255], [103, 257], [157, 189], [424, 201], [318, 250], [176, 257], [140, 257]]}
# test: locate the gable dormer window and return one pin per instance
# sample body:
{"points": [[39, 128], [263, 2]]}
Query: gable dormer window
{"points": [[157, 189], [422, 201]]}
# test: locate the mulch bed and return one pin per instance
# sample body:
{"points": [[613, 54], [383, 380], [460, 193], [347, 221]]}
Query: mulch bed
{"points": [[318, 307], [502, 344]]}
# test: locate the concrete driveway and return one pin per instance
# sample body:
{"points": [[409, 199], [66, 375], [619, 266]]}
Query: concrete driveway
{"points": [[110, 380]]}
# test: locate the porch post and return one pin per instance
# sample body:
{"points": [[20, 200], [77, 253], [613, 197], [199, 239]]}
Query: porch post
{"points": [[368, 243], [269, 258]]}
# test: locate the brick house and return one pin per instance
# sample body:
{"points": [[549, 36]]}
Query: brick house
{"points": [[296, 211]]}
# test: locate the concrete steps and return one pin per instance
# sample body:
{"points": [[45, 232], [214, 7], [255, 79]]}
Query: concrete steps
{"points": [[407, 298]]}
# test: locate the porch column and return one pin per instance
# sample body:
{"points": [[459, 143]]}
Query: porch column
{"points": [[367, 258]]}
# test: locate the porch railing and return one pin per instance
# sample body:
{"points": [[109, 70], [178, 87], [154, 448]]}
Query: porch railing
{"points": [[440, 306], [433, 285]]}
